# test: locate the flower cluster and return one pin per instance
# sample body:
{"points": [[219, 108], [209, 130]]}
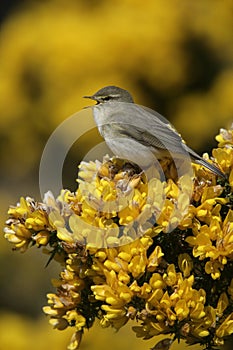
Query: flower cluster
{"points": [[132, 249]]}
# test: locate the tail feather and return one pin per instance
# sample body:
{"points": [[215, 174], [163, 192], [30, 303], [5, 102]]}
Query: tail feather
{"points": [[209, 166], [199, 160]]}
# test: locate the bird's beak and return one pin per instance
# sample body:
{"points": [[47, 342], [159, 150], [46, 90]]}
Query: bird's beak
{"points": [[90, 97]]}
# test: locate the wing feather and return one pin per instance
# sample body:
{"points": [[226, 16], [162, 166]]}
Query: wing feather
{"points": [[146, 126]]}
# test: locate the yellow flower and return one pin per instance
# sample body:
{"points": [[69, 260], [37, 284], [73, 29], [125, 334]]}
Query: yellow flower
{"points": [[225, 138], [224, 157], [42, 238], [75, 340], [213, 268], [171, 276], [22, 209], [226, 327], [158, 252], [215, 242], [154, 259], [181, 309], [18, 234], [185, 264], [222, 304], [75, 319], [115, 294]]}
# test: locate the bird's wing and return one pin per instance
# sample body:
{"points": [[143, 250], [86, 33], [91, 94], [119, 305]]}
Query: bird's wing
{"points": [[148, 127], [151, 130], [164, 131]]}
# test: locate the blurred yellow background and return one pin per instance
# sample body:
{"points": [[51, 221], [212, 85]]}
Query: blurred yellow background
{"points": [[175, 57]]}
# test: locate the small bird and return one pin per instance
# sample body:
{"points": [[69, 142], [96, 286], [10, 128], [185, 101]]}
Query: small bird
{"points": [[138, 133]]}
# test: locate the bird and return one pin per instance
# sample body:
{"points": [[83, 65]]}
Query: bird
{"points": [[138, 133]]}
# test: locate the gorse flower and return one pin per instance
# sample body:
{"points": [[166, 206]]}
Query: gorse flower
{"points": [[132, 249]]}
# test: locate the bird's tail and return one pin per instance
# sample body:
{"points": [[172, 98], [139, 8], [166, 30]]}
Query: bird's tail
{"points": [[211, 167], [199, 160]]}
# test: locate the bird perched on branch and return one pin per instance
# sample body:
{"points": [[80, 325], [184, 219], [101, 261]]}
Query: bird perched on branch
{"points": [[138, 133]]}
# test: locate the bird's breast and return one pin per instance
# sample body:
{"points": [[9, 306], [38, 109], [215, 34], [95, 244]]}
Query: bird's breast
{"points": [[104, 119]]}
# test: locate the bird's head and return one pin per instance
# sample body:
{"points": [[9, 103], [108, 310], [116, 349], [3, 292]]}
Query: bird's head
{"points": [[111, 94]]}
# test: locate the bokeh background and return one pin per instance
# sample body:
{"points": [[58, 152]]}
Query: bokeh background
{"points": [[175, 56]]}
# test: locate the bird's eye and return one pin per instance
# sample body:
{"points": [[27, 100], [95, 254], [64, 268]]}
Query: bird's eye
{"points": [[106, 98]]}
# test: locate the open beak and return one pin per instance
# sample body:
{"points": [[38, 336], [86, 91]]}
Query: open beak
{"points": [[91, 98]]}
